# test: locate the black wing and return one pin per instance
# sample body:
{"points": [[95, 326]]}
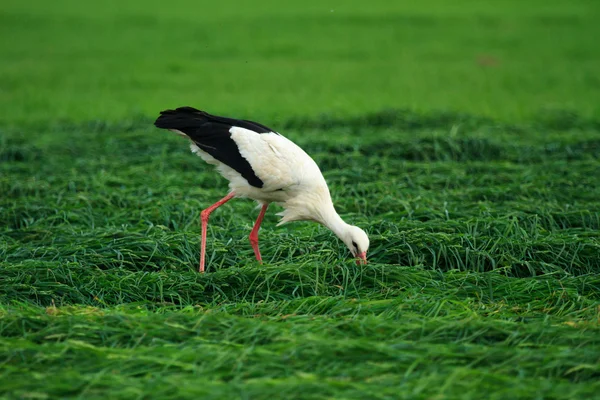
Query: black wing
{"points": [[211, 134]]}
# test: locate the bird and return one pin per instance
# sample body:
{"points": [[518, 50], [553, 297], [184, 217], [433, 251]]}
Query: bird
{"points": [[262, 165]]}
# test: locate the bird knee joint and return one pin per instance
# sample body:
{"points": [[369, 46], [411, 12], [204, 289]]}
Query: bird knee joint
{"points": [[204, 215]]}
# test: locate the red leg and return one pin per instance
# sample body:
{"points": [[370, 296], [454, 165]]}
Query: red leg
{"points": [[254, 233], [204, 221]]}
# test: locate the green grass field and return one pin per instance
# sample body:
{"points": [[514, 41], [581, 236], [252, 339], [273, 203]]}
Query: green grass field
{"points": [[464, 136]]}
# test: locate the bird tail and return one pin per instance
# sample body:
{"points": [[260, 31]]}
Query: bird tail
{"points": [[180, 119]]}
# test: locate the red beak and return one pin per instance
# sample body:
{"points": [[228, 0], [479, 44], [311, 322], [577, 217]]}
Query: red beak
{"points": [[361, 258]]}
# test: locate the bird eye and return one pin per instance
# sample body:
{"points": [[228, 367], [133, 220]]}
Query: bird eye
{"points": [[355, 246]]}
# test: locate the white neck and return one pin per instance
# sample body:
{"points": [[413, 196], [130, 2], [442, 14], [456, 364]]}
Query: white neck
{"points": [[333, 221], [315, 206]]}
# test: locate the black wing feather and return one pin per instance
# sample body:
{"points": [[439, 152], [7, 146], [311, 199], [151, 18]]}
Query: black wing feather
{"points": [[211, 134]]}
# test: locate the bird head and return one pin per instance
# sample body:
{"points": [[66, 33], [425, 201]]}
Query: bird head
{"points": [[358, 242]]}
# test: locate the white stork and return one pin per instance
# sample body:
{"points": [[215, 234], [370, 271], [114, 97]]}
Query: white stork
{"points": [[262, 165]]}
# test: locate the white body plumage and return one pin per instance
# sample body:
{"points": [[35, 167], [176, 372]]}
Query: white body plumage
{"points": [[291, 177]]}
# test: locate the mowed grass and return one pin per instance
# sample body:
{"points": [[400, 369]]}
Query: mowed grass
{"points": [[464, 136]]}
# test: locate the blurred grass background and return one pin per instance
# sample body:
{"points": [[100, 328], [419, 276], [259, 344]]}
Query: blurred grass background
{"points": [[464, 136], [503, 59]]}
